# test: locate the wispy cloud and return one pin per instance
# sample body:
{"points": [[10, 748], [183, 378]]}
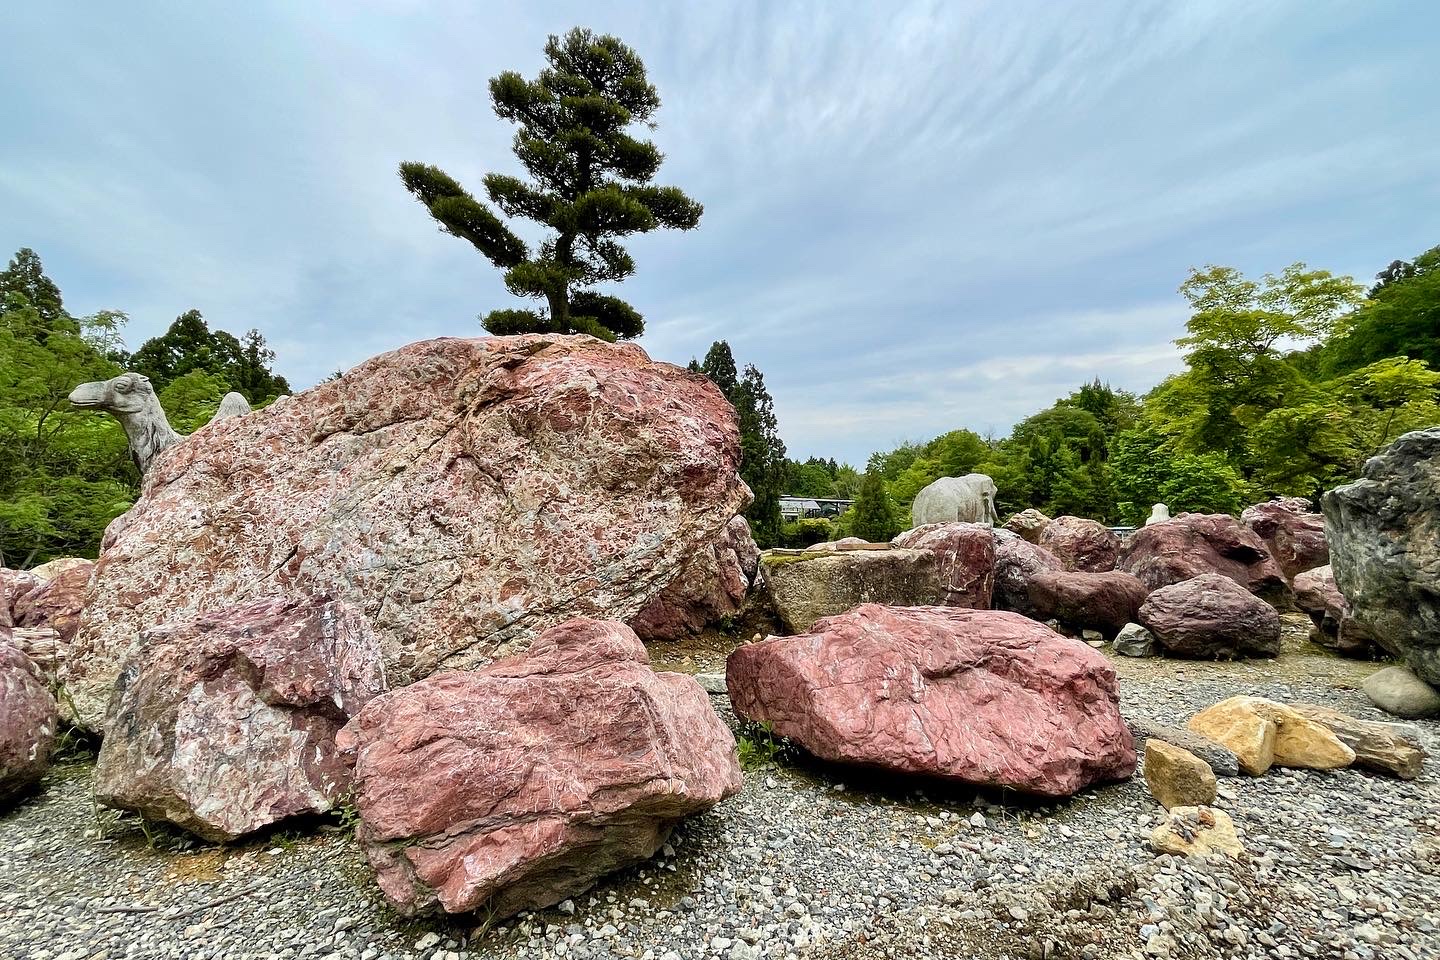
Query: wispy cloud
{"points": [[919, 215]]}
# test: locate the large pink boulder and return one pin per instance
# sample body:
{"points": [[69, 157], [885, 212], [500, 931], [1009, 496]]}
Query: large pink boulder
{"points": [[1211, 617], [966, 555], [1191, 544], [1017, 562], [515, 786], [1293, 532], [1094, 601], [1081, 544], [462, 494], [57, 602], [225, 723], [975, 696], [711, 586], [28, 722]]}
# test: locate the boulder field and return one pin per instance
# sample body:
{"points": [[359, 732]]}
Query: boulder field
{"points": [[462, 494], [1190, 544], [980, 697], [517, 785]]}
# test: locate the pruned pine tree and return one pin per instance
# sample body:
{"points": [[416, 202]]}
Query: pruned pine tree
{"points": [[589, 184]]}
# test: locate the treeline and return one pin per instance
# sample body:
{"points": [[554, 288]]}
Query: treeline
{"points": [[67, 474], [1290, 383]]}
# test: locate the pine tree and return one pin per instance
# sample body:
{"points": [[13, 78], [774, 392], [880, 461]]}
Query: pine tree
{"points": [[874, 516], [763, 452], [23, 283], [588, 185], [719, 366]]}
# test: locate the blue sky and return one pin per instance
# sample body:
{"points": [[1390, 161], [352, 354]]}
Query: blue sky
{"points": [[919, 216]]}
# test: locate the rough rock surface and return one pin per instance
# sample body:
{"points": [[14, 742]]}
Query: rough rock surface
{"points": [[1388, 747], [51, 569], [1384, 532], [1099, 601], [1081, 544], [1221, 760], [1190, 544], [57, 602], [1211, 616], [803, 588], [977, 696], [1029, 524], [1257, 730], [712, 586], [1017, 561], [463, 494], [1293, 532], [517, 785], [225, 723], [28, 722], [966, 555], [1399, 692], [1134, 640], [1176, 777], [1317, 595], [1197, 832]]}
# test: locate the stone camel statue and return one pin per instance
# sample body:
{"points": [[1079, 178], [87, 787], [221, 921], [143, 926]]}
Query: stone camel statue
{"points": [[969, 499], [131, 399]]}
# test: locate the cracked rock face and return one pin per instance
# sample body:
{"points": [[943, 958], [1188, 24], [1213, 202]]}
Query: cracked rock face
{"points": [[462, 494], [712, 585], [28, 721], [1384, 532], [976, 696], [226, 724], [517, 785]]}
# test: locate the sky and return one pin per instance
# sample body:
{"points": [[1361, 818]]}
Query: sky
{"points": [[918, 216]]}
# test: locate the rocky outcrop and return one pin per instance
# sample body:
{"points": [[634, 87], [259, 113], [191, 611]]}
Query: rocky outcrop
{"points": [[1017, 562], [1096, 601], [1194, 543], [1384, 532], [954, 567], [712, 586], [966, 561], [28, 722], [1176, 777], [1209, 617], [1084, 545], [1262, 732], [225, 724], [56, 602], [1293, 532], [1399, 692], [461, 494], [515, 786], [974, 696], [1029, 524]]}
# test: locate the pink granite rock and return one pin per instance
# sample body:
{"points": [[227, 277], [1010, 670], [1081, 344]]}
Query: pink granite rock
{"points": [[1084, 545], [976, 696], [515, 786], [966, 554], [14, 585], [28, 722], [1190, 544], [711, 586], [1211, 616], [462, 494], [1095, 601], [1017, 562], [225, 724], [58, 602], [1293, 532]]}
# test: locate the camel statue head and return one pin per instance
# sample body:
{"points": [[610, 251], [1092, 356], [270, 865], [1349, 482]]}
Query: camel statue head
{"points": [[131, 399]]}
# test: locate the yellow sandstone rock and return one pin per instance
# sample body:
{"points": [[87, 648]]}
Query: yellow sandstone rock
{"points": [[1198, 832], [1176, 777], [1241, 730], [1298, 741]]}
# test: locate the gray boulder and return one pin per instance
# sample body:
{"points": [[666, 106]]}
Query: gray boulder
{"points": [[1384, 535], [1134, 640], [1400, 693]]}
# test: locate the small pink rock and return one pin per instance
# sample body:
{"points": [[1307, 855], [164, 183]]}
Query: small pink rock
{"points": [[976, 696], [515, 786], [966, 552], [712, 585], [57, 603]]}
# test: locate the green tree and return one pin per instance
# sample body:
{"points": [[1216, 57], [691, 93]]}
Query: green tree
{"points": [[1145, 472], [763, 456], [24, 283], [1401, 318], [589, 184], [719, 366], [874, 517], [190, 346]]}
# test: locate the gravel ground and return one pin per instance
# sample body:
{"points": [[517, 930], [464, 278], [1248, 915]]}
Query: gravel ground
{"points": [[809, 861]]}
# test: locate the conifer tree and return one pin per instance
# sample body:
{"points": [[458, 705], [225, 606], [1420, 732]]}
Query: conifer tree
{"points": [[588, 183], [874, 518]]}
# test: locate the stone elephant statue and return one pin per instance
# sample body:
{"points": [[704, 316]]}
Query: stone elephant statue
{"points": [[969, 499]]}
